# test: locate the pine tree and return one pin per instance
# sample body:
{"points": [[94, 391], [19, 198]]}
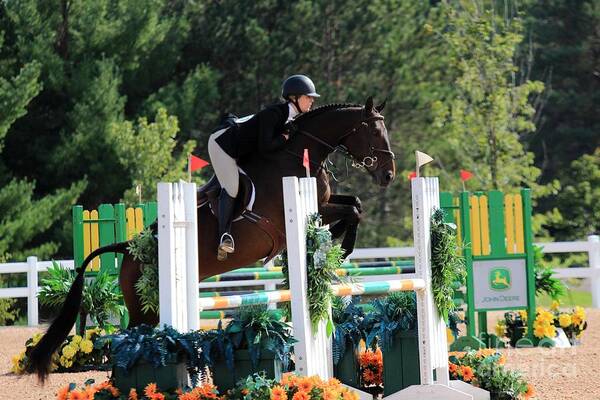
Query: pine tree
{"points": [[23, 217]]}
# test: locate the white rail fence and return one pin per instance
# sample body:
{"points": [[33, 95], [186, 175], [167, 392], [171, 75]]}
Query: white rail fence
{"points": [[592, 272]]}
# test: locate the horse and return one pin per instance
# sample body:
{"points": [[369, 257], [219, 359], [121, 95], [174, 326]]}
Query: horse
{"points": [[358, 131]]}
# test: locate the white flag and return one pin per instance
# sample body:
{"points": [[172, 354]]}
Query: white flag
{"points": [[422, 159]]}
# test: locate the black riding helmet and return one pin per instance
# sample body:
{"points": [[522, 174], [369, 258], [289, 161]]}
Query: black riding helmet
{"points": [[297, 85]]}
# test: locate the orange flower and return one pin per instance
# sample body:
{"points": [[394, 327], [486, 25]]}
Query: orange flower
{"points": [[278, 393], [289, 379], [457, 354], [90, 391], [187, 396], [305, 385], [530, 391], [502, 359], [150, 389], [330, 394], [368, 376], [63, 393], [350, 396], [78, 395], [206, 390], [133, 395], [452, 368], [467, 373], [301, 396], [333, 382], [245, 391]]}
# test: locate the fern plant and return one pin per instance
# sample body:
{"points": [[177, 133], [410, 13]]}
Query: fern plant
{"points": [[447, 266], [101, 297], [144, 248], [158, 347], [395, 313], [349, 320], [322, 260], [253, 328]]}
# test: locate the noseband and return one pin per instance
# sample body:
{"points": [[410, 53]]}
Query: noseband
{"points": [[368, 163]]}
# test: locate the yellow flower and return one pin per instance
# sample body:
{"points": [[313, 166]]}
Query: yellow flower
{"points": [[550, 331], [69, 351], [16, 360], [539, 331], [580, 313], [564, 320], [86, 346], [449, 336], [76, 339], [555, 305], [545, 316], [523, 314], [500, 329], [66, 362], [576, 319], [36, 338]]}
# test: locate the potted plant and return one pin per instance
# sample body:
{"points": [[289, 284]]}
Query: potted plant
{"points": [[393, 324], [254, 340], [144, 354], [348, 319]]}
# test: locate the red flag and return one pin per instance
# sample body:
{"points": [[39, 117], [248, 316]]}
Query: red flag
{"points": [[465, 175], [412, 176], [306, 162], [197, 163]]}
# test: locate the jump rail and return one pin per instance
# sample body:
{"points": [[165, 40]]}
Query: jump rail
{"points": [[313, 350]]}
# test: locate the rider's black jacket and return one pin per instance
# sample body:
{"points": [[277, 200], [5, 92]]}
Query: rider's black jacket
{"points": [[262, 133]]}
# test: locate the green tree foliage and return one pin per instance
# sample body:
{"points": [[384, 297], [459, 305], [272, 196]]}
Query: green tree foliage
{"points": [[565, 44], [23, 217], [491, 112], [579, 200], [145, 151], [82, 85]]}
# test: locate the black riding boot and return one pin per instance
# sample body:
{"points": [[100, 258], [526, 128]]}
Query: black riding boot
{"points": [[226, 244]]}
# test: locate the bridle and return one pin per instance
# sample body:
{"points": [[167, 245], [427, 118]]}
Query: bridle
{"points": [[368, 163]]}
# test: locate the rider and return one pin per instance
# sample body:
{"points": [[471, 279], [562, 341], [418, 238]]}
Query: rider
{"points": [[264, 133]]}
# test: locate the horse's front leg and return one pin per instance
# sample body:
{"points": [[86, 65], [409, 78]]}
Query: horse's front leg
{"points": [[344, 219], [339, 228]]}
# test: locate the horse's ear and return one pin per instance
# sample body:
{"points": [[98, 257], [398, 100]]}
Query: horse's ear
{"points": [[369, 105], [380, 107]]}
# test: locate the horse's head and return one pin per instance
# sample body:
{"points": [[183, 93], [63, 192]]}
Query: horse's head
{"points": [[369, 145]]}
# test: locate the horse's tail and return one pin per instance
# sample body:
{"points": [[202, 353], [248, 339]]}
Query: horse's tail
{"points": [[41, 355]]}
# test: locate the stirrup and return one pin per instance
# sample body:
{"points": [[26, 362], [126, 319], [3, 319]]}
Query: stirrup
{"points": [[226, 247]]}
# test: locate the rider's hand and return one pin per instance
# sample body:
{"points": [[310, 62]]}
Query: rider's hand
{"points": [[286, 136]]}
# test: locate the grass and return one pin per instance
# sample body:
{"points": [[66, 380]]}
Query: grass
{"points": [[572, 298]]}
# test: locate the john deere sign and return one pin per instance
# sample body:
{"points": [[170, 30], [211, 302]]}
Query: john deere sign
{"points": [[500, 279], [499, 284]]}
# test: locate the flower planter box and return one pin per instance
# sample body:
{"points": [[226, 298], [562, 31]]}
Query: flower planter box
{"points": [[169, 377], [348, 369], [224, 379], [401, 362]]}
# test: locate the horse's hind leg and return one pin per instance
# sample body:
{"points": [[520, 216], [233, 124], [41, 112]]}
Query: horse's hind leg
{"points": [[129, 275]]}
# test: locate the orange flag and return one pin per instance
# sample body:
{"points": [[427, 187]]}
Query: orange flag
{"points": [[465, 175], [197, 163], [306, 162]]}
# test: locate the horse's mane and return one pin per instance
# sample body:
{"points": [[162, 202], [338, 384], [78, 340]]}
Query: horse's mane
{"points": [[327, 107]]}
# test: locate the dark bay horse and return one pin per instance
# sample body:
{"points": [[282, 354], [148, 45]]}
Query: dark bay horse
{"points": [[356, 130]]}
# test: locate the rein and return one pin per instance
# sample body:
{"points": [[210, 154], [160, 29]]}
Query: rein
{"points": [[367, 161]]}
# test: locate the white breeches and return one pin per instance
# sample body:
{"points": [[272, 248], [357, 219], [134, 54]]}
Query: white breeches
{"points": [[224, 165]]}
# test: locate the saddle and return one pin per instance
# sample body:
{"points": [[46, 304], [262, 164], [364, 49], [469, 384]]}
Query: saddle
{"points": [[208, 195]]}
